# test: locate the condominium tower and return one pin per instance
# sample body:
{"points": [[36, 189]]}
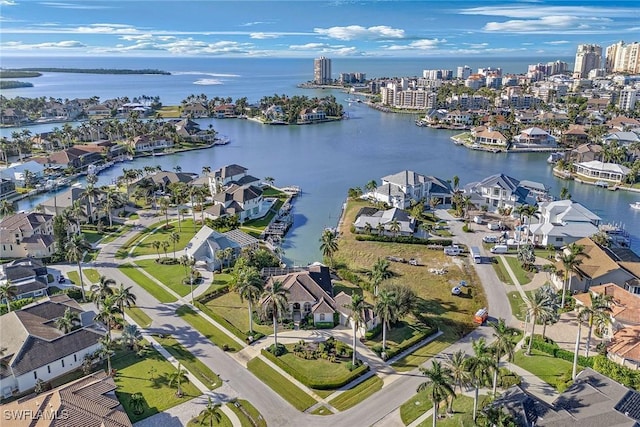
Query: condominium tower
{"points": [[322, 71], [623, 58], [588, 57]]}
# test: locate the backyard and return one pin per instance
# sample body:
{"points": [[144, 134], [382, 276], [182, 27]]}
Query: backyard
{"points": [[554, 371]]}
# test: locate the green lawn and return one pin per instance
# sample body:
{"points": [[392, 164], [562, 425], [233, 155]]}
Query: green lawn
{"points": [[92, 236], [421, 355], [138, 316], [74, 277], [462, 413], [147, 284], [229, 307], [190, 362], [113, 236], [518, 306], [522, 276], [357, 394], [144, 247], [403, 336], [414, 407], [207, 329], [91, 274], [289, 392], [200, 422], [134, 376], [170, 275], [546, 367], [501, 271], [248, 414]]}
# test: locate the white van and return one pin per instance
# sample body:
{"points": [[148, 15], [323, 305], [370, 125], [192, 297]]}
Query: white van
{"points": [[454, 250], [500, 249]]}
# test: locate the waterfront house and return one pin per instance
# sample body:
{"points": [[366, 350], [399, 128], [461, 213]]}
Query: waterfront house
{"points": [[224, 111], [61, 201], [562, 222], [574, 137], [161, 180], [586, 153], [7, 188], [54, 110], [27, 235], [497, 192], [402, 189], [274, 112], [243, 201], [145, 143], [370, 219], [190, 131], [600, 265], [229, 174], [622, 138], [595, 170], [28, 275], [534, 136], [88, 402], [17, 172], [34, 349], [204, 247], [458, 118], [129, 108], [489, 137], [310, 115], [98, 112], [12, 116], [77, 157], [195, 111]]}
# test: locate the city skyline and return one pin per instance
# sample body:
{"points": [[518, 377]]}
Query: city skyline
{"points": [[311, 29]]}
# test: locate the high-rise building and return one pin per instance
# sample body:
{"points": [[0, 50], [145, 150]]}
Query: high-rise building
{"points": [[628, 99], [588, 57], [322, 71], [623, 58], [463, 72]]}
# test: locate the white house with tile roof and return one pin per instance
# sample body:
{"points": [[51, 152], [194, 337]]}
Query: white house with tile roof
{"points": [[401, 189], [562, 222]]}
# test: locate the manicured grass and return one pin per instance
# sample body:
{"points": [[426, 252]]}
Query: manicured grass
{"points": [[421, 355], [92, 236], [138, 316], [113, 236], [235, 312], [522, 276], [287, 390], [144, 247], [321, 410], [345, 287], [200, 422], [501, 271], [414, 407], [147, 284], [91, 274], [436, 305], [402, 336], [518, 306], [190, 362], [247, 413], [74, 277], [170, 275], [207, 329], [462, 413], [546, 367], [134, 376], [357, 394]]}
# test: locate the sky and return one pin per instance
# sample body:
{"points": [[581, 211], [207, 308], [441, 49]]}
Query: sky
{"points": [[215, 28]]}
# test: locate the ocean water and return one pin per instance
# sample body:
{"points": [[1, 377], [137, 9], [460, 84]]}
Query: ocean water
{"points": [[324, 160]]}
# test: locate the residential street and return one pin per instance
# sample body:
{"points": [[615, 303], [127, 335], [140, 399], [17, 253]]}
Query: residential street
{"points": [[379, 409]]}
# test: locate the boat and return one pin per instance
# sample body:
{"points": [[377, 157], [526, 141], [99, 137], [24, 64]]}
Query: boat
{"points": [[221, 140], [602, 184], [635, 205], [554, 157]]}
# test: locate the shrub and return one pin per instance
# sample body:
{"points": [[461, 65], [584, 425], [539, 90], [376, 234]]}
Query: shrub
{"points": [[277, 350], [402, 239], [506, 378], [205, 298], [372, 333]]}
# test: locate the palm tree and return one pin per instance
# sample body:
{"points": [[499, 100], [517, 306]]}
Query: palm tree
{"points": [[137, 403], [495, 416], [438, 386], [597, 313], [249, 287], [275, 303], [107, 313], [329, 245], [123, 297], [165, 245], [131, 337], [502, 346], [379, 273], [90, 193], [386, 307], [112, 200], [269, 180], [177, 377], [480, 366], [175, 238], [541, 306], [394, 227], [571, 263], [67, 321], [212, 413], [102, 289], [371, 186], [164, 210], [457, 364], [75, 249], [156, 245], [356, 307], [106, 350], [6, 207], [7, 293]]}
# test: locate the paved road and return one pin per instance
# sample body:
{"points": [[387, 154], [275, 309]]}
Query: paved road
{"points": [[274, 409]]}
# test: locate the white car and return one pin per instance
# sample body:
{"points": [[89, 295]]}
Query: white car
{"points": [[490, 239], [456, 291]]}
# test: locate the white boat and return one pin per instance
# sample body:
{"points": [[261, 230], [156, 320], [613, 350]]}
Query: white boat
{"points": [[554, 157], [602, 184], [635, 205]]}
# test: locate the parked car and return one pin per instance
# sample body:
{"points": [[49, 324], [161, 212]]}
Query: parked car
{"points": [[500, 249], [494, 226], [454, 250], [490, 239], [478, 219], [61, 279]]}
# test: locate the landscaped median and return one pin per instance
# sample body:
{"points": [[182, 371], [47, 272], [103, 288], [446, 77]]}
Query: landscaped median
{"points": [[357, 394], [206, 328], [399, 338], [278, 383]]}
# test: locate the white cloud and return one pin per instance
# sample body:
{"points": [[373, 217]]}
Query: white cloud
{"points": [[250, 24], [107, 29], [476, 45], [7, 3], [424, 44], [558, 42], [308, 46], [67, 44], [534, 11], [73, 5], [567, 24], [263, 36], [353, 32]]}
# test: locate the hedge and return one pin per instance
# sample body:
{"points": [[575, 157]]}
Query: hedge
{"points": [[402, 239], [313, 382], [372, 333], [205, 298], [619, 373], [391, 352]]}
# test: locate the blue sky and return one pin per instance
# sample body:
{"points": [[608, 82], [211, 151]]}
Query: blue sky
{"points": [[312, 28]]}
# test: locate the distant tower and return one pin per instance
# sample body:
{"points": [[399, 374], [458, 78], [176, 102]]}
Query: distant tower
{"points": [[322, 71], [613, 56], [588, 57]]}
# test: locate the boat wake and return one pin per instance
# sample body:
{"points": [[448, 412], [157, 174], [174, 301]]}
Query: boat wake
{"points": [[208, 82], [202, 73]]}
